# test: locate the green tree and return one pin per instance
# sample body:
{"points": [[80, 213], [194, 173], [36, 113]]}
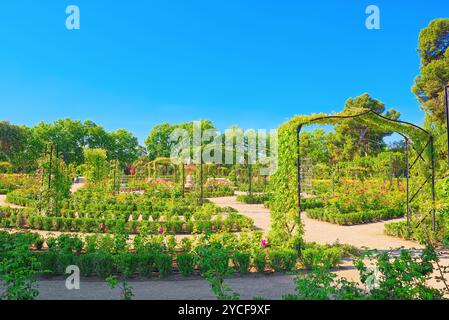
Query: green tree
{"points": [[314, 145], [125, 147], [428, 86], [159, 143], [96, 137], [68, 135], [12, 140], [96, 165], [356, 139]]}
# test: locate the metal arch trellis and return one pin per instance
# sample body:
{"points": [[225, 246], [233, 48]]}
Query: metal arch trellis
{"points": [[409, 164]]}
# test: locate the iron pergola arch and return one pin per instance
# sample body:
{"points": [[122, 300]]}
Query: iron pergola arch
{"points": [[429, 143]]}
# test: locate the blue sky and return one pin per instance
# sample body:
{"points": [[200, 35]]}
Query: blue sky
{"points": [[255, 63]]}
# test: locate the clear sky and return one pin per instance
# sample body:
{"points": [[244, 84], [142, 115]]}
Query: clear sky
{"points": [[254, 63]]}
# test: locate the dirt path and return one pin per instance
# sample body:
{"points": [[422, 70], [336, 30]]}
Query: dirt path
{"points": [[368, 235]]}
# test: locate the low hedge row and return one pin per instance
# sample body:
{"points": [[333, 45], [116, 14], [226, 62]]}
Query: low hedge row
{"points": [[312, 203], [22, 197], [253, 199], [149, 263], [143, 260], [22, 220], [333, 216], [398, 229]]}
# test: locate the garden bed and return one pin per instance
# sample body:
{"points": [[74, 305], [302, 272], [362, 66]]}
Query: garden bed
{"points": [[353, 218]]}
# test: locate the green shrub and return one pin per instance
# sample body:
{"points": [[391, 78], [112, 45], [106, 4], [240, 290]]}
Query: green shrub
{"points": [[126, 263], [5, 167], [398, 229], [86, 263], [241, 261], [63, 260], [321, 257], [311, 203], [253, 199], [48, 262], [164, 264], [332, 215], [259, 260], [104, 264], [282, 260], [145, 263], [186, 264]]}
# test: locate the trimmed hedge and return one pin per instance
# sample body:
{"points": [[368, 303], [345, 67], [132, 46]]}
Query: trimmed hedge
{"points": [[398, 229], [312, 203], [283, 260], [321, 256], [30, 219], [22, 197], [346, 219]]}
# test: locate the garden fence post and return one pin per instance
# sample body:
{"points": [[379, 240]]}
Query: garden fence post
{"points": [[432, 155], [201, 178], [50, 166], [250, 178], [298, 168], [447, 116], [407, 172]]}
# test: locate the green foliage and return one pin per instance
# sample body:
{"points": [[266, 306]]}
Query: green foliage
{"points": [[241, 261], [401, 277], [186, 264], [14, 148], [321, 257], [282, 260], [5, 167], [354, 218], [164, 264], [126, 289], [321, 284], [253, 199], [385, 275], [213, 263], [18, 267], [312, 203], [353, 202], [159, 143], [259, 260], [96, 165], [11, 182], [354, 138], [429, 85]]}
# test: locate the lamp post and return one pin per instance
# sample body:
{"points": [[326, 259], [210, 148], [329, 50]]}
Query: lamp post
{"points": [[447, 116]]}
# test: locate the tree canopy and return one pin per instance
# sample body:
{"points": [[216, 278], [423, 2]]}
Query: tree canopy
{"points": [[429, 84]]}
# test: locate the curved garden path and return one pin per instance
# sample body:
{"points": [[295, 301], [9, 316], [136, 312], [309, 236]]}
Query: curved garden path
{"points": [[368, 235]]}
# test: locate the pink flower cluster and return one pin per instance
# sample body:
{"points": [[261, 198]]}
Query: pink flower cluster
{"points": [[264, 243]]}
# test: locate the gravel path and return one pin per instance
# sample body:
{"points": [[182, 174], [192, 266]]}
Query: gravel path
{"points": [[367, 235]]}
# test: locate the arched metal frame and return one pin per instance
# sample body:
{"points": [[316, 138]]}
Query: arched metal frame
{"points": [[429, 144], [166, 163]]}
